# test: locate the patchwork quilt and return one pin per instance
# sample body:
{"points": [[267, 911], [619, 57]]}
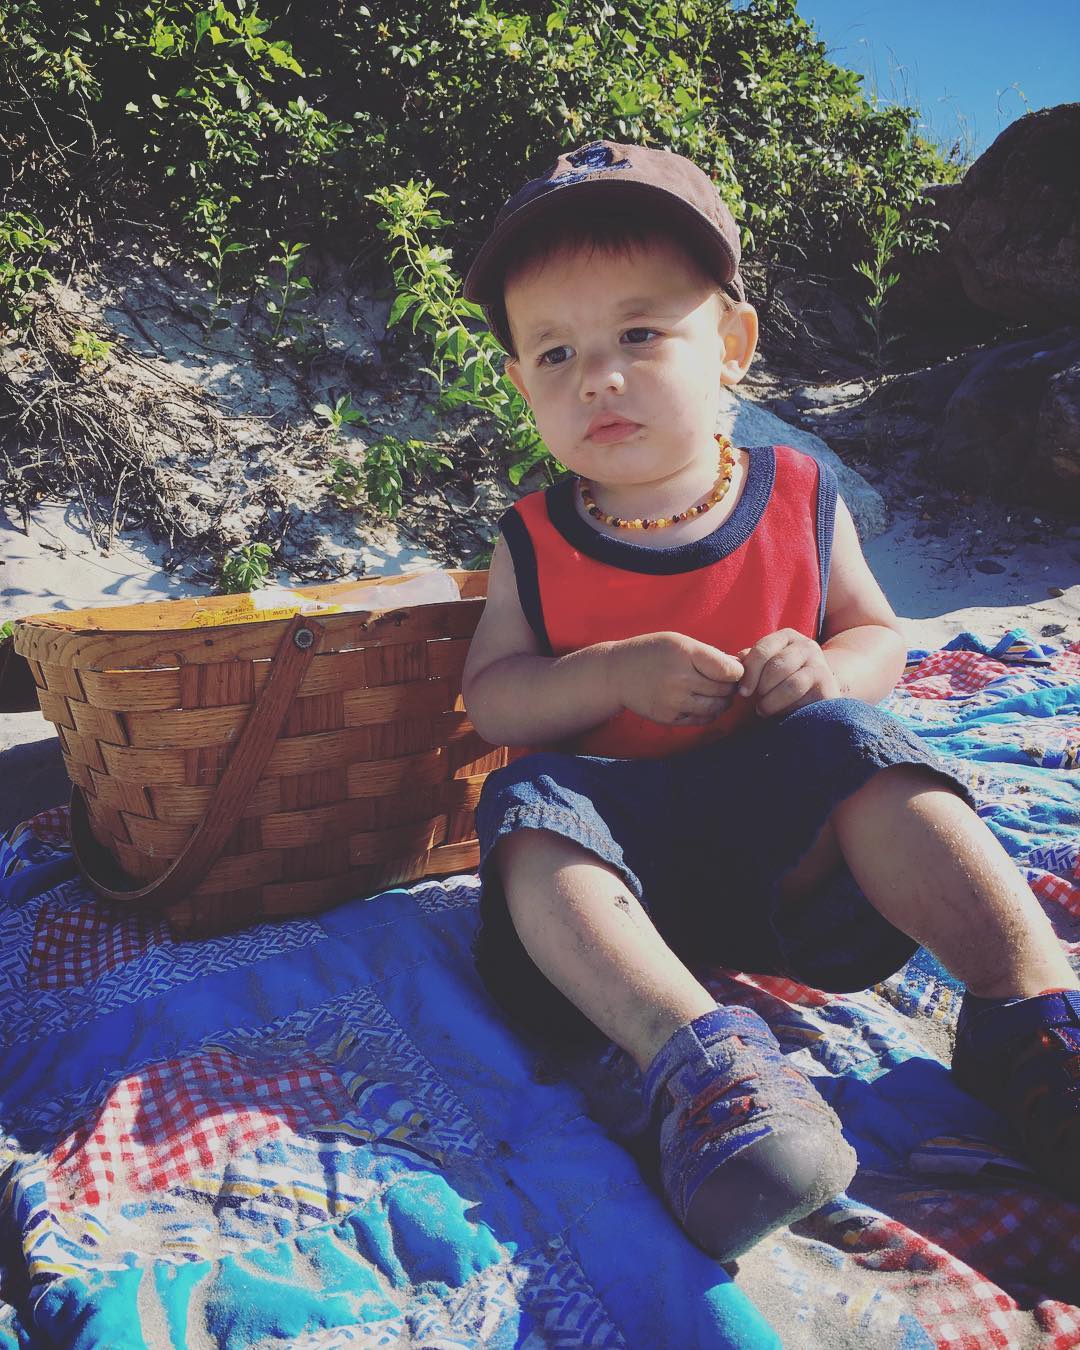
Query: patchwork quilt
{"points": [[320, 1132]]}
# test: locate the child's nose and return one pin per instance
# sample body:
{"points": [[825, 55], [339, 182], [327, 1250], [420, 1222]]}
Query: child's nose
{"points": [[601, 376]]}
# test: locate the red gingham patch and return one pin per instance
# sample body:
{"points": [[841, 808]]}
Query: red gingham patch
{"points": [[76, 946], [790, 991], [1067, 662], [956, 1305], [182, 1118], [1009, 1234], [52, 826], [946, 674], [1050, 887], [1061, 1322]]}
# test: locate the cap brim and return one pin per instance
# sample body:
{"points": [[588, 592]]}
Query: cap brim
{"points": [[484, 280]]}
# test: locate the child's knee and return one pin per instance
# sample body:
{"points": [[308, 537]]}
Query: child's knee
{"points": [[527, 857], [839, 730]]}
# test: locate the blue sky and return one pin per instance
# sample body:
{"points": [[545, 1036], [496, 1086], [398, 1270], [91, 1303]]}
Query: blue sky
{"points": [[957, 60]]}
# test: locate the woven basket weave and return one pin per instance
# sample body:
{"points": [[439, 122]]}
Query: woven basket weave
{"points": [[258, 770]]}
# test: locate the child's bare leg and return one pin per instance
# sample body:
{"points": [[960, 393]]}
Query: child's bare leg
{"points": [[588, 934], [746, 1143], [928, 864]]}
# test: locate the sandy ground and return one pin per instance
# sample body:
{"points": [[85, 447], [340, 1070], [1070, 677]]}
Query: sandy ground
{"points": [[934, 583]]}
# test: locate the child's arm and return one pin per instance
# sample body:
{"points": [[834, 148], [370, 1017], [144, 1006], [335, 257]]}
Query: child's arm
{"points": [[516, 696], [862, 651]]}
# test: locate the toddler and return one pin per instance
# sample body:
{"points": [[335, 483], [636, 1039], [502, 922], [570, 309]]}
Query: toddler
{"points": [[686, 635]]}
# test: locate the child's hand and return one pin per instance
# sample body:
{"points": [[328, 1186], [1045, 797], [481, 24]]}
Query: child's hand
{"points": [[785, 671], [674, 679]]}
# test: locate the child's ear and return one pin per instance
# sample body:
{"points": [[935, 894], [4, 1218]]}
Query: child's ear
{"points": [[512, 371], [739, 332]]}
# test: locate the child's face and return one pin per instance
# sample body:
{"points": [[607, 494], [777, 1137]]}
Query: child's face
{"points": [[622, 356]]}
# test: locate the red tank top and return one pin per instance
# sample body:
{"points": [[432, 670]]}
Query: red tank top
{"points": [[764, 568]]}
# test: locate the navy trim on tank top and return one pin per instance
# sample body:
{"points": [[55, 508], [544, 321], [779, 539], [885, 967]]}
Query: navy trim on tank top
{"points": [[523, 555], [725, 539], [826, 524]]}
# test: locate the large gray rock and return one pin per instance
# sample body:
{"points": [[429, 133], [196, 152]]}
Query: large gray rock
{"points": [[1017, 242], [747, 423], [1011, 425], [1057, 436], [1012, 248]]}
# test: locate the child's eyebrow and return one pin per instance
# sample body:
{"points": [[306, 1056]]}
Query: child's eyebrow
{"points": [[635, 308], [541, 335]]}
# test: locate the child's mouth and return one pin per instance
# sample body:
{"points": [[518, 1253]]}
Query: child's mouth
{"points": [[605, 430]]}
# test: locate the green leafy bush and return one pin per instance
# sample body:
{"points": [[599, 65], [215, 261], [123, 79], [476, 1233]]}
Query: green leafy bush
{"points": [[89, 348], [342, 413], [23, 243], [245, 568], [241, 123], [467, 359], [389, 461], [247, 124]]}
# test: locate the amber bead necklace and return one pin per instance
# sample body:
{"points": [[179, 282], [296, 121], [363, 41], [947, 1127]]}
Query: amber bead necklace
{"points": [[719, 491]]}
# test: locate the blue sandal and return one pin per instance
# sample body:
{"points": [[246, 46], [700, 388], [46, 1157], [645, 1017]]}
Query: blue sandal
{"points": [[747, 1144], [1023, 1059]]}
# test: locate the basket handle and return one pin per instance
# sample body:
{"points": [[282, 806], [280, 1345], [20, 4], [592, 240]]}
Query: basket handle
{"points": [[298, 646]]}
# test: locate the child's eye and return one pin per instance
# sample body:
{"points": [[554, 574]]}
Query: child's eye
{"points": [[635, 336], [555, 356]]}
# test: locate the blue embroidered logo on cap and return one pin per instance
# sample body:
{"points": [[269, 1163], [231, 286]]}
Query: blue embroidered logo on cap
{"points": [[590, 159]]}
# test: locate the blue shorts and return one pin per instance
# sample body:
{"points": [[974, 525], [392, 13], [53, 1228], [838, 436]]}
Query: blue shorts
{"points": [[703, 839]]}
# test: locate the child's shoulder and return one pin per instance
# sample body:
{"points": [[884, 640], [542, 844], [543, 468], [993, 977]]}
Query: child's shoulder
{"points": [[801, 470], [536, 505], [790, 454]]}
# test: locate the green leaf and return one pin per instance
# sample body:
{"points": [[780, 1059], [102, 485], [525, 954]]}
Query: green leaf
{"points": [[281, 55]]}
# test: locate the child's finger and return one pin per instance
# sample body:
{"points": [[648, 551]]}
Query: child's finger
{"points": [[757, 658], [703, 688], [788, 695], [779, 670], [702, 711], [720, 667]]}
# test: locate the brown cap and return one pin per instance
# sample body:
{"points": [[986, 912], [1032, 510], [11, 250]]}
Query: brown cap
{"points": [[604, 171]]}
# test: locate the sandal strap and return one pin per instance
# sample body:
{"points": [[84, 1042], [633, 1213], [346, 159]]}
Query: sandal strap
{"points": [[1055, 1066], [986, 1032], [720, 1024]]}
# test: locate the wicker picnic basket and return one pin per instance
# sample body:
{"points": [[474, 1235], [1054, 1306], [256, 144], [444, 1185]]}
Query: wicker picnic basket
{"points": [[263, 769]]}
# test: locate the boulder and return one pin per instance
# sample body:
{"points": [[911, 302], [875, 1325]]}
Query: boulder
{"points": [[1056, 452], [924, 393], [1016, 244], [1012, 425], [747, 423], [1012, 246]]}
